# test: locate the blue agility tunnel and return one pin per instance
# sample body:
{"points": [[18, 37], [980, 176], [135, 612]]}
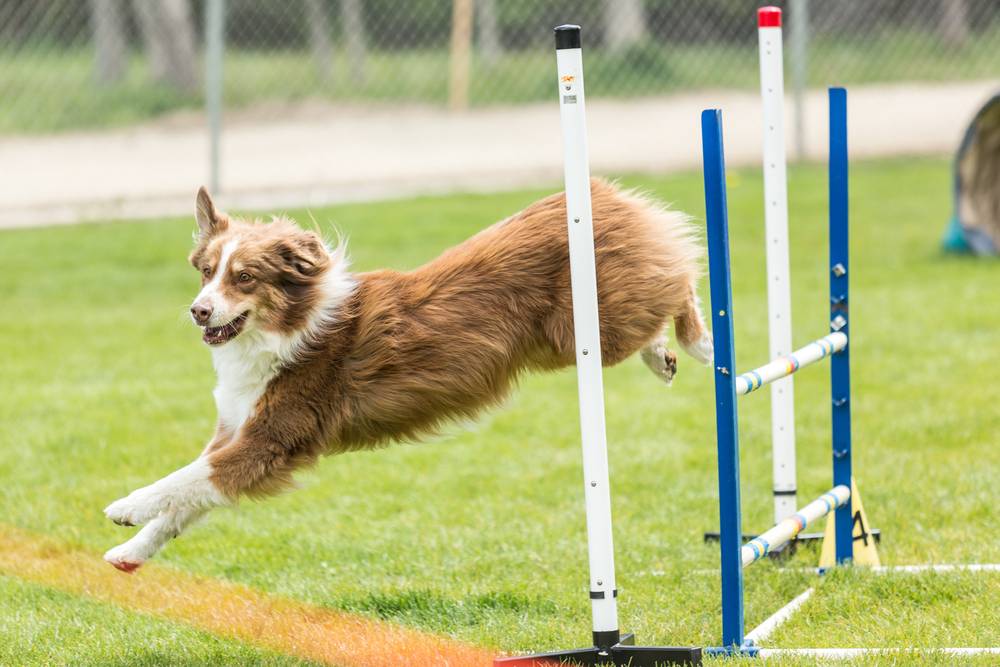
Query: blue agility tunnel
{"points": [[975, 222]]}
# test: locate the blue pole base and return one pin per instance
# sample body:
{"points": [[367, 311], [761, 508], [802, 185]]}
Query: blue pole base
{"points": [[748, 650]]}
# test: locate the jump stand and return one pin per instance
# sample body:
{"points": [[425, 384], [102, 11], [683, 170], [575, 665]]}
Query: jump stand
{"points": [[610, 646], [779, 301], [729, 385]]}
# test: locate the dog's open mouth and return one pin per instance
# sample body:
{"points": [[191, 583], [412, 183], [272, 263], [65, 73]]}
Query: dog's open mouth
{"points": [[226, 332]]}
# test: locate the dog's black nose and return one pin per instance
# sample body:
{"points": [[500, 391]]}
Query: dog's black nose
{"points": [[201, 313]]}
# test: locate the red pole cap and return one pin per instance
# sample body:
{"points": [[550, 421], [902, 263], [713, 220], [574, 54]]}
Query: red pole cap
{"points": [[769, 17]]}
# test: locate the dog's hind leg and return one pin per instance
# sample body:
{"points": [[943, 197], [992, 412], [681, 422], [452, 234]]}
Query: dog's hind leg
{"points": [[660, 359], [692, 334]]}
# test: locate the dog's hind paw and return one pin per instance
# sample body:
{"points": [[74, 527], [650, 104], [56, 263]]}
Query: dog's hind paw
{"points": [[661, 360], [702, 350]]}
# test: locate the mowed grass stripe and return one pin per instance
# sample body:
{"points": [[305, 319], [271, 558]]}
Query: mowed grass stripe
{"points": [[309, 632]]}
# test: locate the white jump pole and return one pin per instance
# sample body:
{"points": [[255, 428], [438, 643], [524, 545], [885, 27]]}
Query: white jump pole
{"points": [[590, 388], [788, 528], [779, 299], [767, 628], [784, 366], [855, 653]]}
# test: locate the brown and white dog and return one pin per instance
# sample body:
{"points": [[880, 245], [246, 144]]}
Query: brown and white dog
{"points": [[314, 360]]}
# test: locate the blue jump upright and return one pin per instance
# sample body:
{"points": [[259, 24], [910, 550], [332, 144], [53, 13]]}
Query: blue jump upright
{"points": [[730, 526], [835, 346], [840, 364]]}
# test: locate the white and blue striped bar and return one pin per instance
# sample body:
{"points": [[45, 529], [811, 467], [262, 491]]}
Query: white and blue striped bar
{"points": [[785, 366], [786, 530]]}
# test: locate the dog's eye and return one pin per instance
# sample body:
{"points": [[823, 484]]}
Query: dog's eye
{"points": [[207, 271], [245, 277]]}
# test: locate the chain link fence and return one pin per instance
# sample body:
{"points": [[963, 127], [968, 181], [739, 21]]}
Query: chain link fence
{"points": [[82, 64]]}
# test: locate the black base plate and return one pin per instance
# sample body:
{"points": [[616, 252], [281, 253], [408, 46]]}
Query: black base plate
{"points": [[622, 654]]}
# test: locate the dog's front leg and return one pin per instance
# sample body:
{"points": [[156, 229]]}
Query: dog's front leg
{"points": [[187, 488], [167, 507], [128, 556], [257, 466], [258, 461], [190, 488]]}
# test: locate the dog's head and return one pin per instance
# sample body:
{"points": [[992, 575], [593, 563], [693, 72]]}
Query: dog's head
{"points": [[268, 277]]}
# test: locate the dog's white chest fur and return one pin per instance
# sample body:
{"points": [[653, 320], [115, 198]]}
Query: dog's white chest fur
{"points": [[244, 368], [247, 364]]}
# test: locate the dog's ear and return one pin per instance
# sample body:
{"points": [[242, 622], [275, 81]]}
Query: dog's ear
{"points": [[210, 221], [305, 255]]}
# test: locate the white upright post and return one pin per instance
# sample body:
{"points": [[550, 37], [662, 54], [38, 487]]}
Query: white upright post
{"points": [[779, 300], [610, 646], [583, 279]]}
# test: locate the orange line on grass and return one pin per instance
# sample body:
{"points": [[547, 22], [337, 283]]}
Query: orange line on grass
{"points": [[289, 627]]}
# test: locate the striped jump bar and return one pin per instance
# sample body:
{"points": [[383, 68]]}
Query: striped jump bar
{"points": [[785, 366], [785, 531]]}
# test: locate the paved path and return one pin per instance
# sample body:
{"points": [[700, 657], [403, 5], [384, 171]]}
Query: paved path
{"points": [[320, 155]]}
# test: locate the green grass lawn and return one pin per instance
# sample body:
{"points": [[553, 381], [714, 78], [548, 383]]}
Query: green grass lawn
{"points": [[49, 89], [40, 626], [479, 533]]}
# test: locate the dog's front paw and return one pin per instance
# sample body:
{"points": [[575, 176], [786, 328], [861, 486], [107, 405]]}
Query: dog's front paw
{"points": [[126, 557], [135, 509]]}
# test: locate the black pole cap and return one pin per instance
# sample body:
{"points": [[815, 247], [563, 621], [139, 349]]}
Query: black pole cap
{"points": [[567, 36]]}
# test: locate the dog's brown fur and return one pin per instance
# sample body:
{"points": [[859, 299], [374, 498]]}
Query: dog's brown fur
{"points": [[409, 350]]}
